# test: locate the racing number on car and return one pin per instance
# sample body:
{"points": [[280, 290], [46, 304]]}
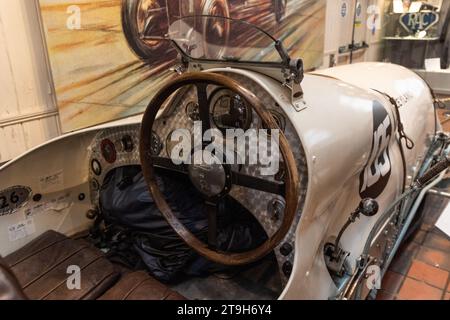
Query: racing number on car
{"points": [[13, 198], [376, 174], [4, 201]]}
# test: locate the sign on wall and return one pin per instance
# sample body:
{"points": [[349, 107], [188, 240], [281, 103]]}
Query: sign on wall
{"points": [[419, 21], [109, 57]]}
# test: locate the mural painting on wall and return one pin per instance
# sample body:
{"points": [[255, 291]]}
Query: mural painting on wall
{"points": [[109, 57]]}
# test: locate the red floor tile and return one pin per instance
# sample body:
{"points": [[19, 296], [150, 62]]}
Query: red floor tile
{"points": [[417, 290], [425, 257], [392, 282], [404, 257], [434, 257], [428, 274]]}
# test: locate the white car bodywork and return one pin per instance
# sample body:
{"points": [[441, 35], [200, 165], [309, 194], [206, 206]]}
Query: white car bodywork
{"points": [[337, 132]]}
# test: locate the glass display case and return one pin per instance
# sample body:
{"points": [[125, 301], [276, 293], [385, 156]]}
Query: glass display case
{"points": [[416, 31]]}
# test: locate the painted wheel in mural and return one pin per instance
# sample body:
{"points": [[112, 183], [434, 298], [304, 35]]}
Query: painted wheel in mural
{"points": [[144, 24], [279, 7]]}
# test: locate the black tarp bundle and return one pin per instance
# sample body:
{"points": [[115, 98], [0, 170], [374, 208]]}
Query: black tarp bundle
{"points": [[129, 210]]}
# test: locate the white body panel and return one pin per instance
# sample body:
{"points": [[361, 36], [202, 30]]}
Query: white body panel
{"points": [[410, 91], [336, 130], [68, 155]]}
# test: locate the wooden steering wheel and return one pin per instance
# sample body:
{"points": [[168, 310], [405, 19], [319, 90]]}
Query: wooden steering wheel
{"points": [[288, 189]]}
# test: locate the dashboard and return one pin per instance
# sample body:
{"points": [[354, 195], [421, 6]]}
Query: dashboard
{"points": [[118, 147]]}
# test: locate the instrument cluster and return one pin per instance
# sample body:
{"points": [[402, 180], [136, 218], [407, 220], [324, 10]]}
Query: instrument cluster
{"points": [[117, 147], [229, 111]]}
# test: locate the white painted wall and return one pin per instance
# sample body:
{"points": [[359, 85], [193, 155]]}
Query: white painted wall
{"points": [[28, 115], [338, 31]]}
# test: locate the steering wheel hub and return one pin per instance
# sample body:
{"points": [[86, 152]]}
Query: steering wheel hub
{"points": [[210, 180]]}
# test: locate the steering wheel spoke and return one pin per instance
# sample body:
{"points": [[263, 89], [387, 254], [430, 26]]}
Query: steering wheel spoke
{"points": [[202, 96], [259, 184], [212, 209], [167, 163]]}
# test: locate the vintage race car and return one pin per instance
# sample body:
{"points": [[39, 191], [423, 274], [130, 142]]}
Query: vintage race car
{"points": [[344, 157]]}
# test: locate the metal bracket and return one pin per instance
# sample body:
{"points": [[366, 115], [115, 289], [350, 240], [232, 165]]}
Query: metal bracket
{"points": [[182, 67], [293, 73], [297, 97], [336, 259], [296, 89], [351, 288], [179, 69]]}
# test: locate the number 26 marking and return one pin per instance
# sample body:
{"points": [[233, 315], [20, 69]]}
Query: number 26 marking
{"points": [[3, 203], [12, 199]]}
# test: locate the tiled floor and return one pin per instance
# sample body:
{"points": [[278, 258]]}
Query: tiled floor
{"points": [[421, 269]]}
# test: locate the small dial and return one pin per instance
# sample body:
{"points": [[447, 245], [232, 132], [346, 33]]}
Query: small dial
{"points": [[96, 167], [127, 143], [192, 111], [229, 110], [157, 145], [109, 152], [95, 185]]}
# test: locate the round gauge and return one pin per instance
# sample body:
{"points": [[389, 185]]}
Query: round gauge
{"points": [[177, 143], [96, 167], [157, 145], [127, 143], [109, 151], [95, 185], [229, 110], [192, 111]]}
